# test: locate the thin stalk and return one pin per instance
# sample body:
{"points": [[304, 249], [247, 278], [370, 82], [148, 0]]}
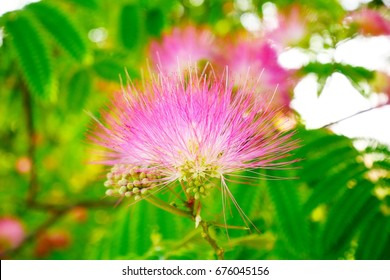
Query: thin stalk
{"points": [[176, 194], [185, 191], [28, 115], [165, 206], [229, 226], [355, 114]]}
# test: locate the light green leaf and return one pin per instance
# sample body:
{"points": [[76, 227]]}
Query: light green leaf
{"points": [[89, 4], [79, 87], [290, 218], [141, 228]]}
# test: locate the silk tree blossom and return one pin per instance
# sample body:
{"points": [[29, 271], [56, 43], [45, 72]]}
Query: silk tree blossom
{"points": [[182, 47], [290, 29], [189, 129], [255, 61], [12, 233], [369, 22]]}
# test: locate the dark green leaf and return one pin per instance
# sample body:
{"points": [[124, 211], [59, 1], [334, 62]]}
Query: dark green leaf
{"points": [[155, 21], [330, 186], [113, 71], [130, 26], [61, 28], [347, 215], [373, 238], [313, 167], [314, 143], [32, 54]]}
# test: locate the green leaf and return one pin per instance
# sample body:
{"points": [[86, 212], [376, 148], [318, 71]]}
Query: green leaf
{"points": [[79, 87], [290, 218], [314, 167], [314, 143], [330, 186], [113, 71], [130, 26], [373, 238], [355, 74], [377, 148], [140, 227], [90, 4], [253, 241], [382, 164], [61, 29], [346, 216], [32, 54], [154, 21]]}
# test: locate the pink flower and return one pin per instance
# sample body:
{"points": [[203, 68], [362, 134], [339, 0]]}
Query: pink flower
{"points": [[370, 22], [190, 129], [11, 233], [181, 48], [291, 27], [256, 62]]}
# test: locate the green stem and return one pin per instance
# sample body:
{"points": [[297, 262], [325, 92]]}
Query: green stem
{"points": [[196, 207], [193, 215], [165, 206], [205, 234]]}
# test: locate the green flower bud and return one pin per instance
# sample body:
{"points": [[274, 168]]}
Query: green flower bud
{"points": [[122, 190], [127, 194], [123, 182], [133, 172], [109, 192], [144, 191], [108, 183], [136, 183], [145, 182]]}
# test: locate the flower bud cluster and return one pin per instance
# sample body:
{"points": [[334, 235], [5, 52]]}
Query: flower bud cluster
{"points": [[197, 175], [130, 181]]}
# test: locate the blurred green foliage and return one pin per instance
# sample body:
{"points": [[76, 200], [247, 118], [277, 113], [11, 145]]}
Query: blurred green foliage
{"points": [[61, 59]]}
